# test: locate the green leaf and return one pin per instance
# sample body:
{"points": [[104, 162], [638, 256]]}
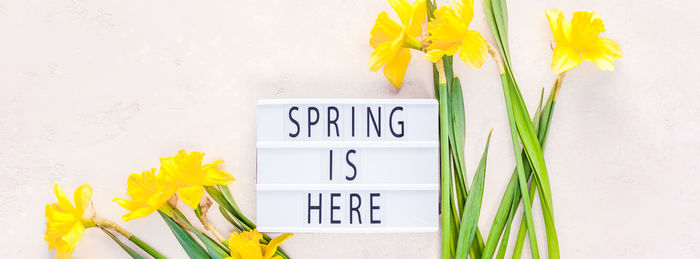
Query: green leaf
{"points": [[470, 215], [506, 233], [215, 250], [121, 244], [501, 217], [226, 192], [222, 196], [457, 136], [533, 149], [192, 248], [449, 73], [431, 8], [516, 197], [219, 198], [436, 81], [496, 14], [445, 173], [230, 219], [457, 133], [542, 123], [522, 179]]}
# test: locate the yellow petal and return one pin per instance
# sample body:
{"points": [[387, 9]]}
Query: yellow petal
{"points": [[564, 58], [64, 252], [557, 24], [274, 243], [395, 70], [82, 196], [378, 56], [403, 9], [191, 195], [434, 55], [474, 51], [603, 53], [464, 9], [214, 176], [384, 30], [381, 55], [138, 213], [126, 204], [446, 31], [71, 240], [75, 234], [417, 18], [63, 201]]}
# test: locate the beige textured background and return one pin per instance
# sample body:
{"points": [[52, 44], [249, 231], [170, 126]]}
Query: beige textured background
{"points": [[91, 91]]}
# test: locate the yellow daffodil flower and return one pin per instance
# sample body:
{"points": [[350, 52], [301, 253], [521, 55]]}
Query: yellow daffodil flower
{"points": [[188, 175], [66, 225], [449, 32], [578, 40], [391, 40], [149, 192], [246, 245]]}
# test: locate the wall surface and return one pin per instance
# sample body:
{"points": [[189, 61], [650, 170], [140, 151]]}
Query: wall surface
{"points": [[91, 91]]}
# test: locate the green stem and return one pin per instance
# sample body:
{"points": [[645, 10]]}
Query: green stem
{"points": [[121, 244], [446, 181], [150, 250]]}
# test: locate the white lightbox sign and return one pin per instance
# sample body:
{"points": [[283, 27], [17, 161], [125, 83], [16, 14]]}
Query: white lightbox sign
{"points": [[348, 165]]}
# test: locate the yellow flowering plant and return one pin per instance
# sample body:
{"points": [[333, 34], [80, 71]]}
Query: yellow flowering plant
{"points": [[66, 224], [575, 41], [578, 40], [447, 33], [184, 177], [391, 41]]}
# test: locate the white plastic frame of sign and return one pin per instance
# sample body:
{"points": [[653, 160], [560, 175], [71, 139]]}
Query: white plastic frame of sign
{"points": [[348, 165]]}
